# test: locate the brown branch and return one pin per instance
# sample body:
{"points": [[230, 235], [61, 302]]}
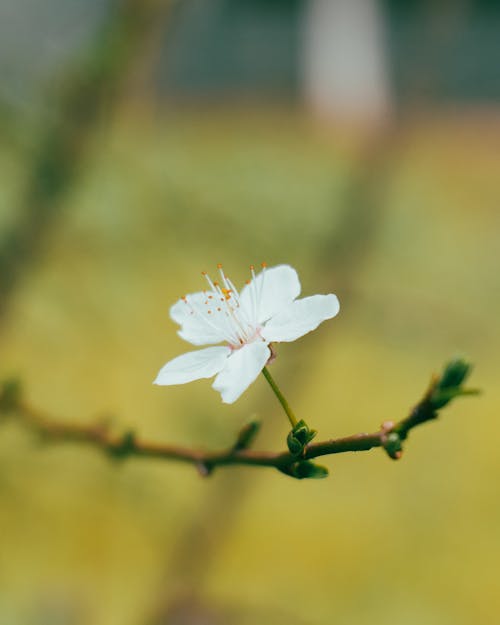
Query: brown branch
{"points": [[86, 97], [390, 436]]}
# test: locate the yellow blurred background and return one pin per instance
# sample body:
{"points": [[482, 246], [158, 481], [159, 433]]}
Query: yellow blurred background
{"points": [[148, 141]]}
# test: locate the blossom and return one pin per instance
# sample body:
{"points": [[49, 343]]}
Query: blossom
{"points": [[265, 311]]}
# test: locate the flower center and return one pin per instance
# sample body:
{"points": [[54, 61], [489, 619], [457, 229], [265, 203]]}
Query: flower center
{"points": [[224, 311]]}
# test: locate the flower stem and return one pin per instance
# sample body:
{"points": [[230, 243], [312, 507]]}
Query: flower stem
{"points": [[286, 407]]}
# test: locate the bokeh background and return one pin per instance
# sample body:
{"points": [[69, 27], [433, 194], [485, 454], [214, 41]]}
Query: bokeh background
{"points": [[142, 141]]}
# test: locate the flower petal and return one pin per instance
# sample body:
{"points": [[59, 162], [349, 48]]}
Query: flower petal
{"points": [[191, 313], [300, 317], [270, 292], [181, 312], [203, 363], [241, 369], [198, 334]]}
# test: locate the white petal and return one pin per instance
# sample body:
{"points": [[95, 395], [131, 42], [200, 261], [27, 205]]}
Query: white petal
{"points": [[271, 291], [197, 327], [241, 369], [197, 334], [203, 363], [300, 317]]}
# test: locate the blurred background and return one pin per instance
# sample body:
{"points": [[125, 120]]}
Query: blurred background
{"points": [[142, 141]]}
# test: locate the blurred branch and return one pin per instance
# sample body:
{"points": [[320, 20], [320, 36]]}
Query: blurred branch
{"points": [[443, 389], [86, 96], [350, 241]]}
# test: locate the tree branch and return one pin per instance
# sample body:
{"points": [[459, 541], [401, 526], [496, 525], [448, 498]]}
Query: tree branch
{"points": [[390, 436]]}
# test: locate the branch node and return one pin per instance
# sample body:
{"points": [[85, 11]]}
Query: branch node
{"points": [[204, 468], [123, 447], [392, 444]]}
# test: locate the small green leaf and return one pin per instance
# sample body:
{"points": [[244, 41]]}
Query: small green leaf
{"points": [[295, 446]]}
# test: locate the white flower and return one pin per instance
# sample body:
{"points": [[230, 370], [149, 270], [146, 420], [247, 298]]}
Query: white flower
{"points": [[265, 311]]}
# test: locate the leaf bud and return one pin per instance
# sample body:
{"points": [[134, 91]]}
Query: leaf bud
{"points": [[306, 469], [299, 437]]}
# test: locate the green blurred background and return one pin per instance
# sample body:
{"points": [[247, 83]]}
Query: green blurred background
{"points": [[143, 141]]}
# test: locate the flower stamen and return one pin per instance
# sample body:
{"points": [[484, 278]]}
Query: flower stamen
{"points": [[254, 296], [229, 296], [230, 336]]}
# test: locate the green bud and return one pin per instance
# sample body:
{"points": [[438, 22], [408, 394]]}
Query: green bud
{"points": [[246, 435], [393, 445], [454, 373], [125, 446], [294, 445], [450, 383], [299, 437], [308, 470], [440, 398]]}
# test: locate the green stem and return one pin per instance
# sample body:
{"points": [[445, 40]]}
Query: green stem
{"points": [[281, 398]]}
